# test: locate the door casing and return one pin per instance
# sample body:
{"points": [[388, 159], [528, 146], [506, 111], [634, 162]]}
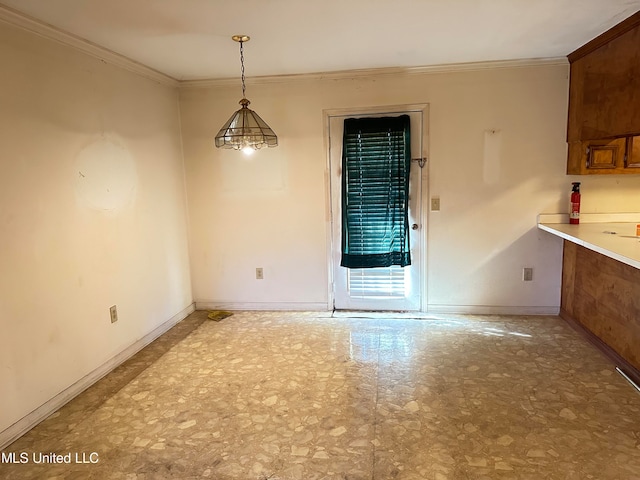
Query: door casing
{"points": [[334, 195]]}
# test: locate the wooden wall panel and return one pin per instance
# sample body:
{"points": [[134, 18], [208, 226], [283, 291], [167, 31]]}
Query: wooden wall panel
{"points": [[604, 298]]}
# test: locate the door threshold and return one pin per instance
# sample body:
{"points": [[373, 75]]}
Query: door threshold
{"points": [[381, 314]]}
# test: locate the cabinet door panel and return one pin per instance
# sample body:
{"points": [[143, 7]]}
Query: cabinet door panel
{"points": [[610, 89], [633, 153], [603, 154], [597, 156]]}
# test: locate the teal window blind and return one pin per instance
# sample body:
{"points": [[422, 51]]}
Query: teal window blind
{"points": [[376, 158]]}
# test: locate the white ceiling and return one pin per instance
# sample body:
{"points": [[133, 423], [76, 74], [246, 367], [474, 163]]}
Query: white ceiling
{"points": [[191, 39]]}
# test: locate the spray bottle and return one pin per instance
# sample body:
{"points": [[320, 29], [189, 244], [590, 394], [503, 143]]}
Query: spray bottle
{"points": [[574, 212]]}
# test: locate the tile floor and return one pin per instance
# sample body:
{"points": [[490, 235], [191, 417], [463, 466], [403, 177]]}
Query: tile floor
{"points": [[284, 396]]}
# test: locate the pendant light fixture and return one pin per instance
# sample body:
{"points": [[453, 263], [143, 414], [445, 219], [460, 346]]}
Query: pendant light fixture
{"points": [[245, 130]]}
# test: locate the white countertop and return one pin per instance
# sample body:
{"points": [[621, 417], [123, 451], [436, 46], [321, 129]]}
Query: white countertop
{"points": [[616, 240]]}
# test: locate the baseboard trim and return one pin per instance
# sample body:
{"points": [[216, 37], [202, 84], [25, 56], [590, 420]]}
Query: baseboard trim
{"points": [[323, 307], [29, 421], [494, 309], [265, 306], [629, 370]]}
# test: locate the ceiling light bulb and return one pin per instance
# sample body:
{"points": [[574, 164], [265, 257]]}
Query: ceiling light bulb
{"points": [[248, 150]]}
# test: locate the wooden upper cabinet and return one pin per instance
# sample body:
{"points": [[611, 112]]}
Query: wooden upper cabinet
{"points": [[604, 102]]}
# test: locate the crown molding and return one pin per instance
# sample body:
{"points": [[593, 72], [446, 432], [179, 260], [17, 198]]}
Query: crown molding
{"points": [[377, 72], [20, 20]]}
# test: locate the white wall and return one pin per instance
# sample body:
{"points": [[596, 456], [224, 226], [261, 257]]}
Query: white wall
{"points": [[92, 214], [93, 210], [272, 210]]}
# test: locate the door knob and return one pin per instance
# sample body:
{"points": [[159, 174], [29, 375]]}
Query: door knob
{"points": [[414, 226]]}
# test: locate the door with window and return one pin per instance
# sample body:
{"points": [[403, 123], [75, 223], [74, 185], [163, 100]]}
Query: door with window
{"points": [[358, 282]]}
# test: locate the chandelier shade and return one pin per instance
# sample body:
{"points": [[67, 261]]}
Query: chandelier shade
{"points": [[245, 130]]}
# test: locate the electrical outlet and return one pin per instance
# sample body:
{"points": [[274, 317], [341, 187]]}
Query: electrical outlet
{"points": [[113, 311], [259, 273], [435, 204], [527, 274]]}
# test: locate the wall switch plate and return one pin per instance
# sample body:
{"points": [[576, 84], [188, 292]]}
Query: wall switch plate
{"points": [[435, 204], [527, 274], [259, 273], [114, 314]]}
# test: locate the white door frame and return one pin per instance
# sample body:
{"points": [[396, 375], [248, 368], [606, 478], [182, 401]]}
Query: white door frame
{"points": [[422, 108]]}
